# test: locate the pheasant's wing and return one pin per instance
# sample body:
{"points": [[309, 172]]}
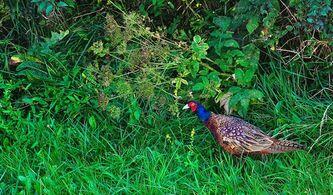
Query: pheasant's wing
{"points": [[254, 140], [246, 137]]}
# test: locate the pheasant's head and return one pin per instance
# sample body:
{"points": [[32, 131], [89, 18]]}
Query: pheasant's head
{"points": [[192, 105], [196, 107]]}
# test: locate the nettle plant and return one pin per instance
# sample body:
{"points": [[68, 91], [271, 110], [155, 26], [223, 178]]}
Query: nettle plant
{"points": [[228, 78], [149, 62], [132, 65], [222, 67]]}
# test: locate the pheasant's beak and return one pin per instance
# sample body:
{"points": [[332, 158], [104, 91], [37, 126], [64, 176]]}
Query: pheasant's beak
{"points": [[186, 107]]}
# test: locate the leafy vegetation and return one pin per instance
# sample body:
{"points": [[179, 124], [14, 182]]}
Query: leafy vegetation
{"points": [[91, 91]]}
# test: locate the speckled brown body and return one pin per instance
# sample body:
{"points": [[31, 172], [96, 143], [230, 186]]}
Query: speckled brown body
{"points": [[239, 137]]}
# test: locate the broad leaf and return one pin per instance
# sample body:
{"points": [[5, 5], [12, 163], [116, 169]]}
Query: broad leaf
{"points": [[234, 90], [222, 64], [252, 25], [245, 102], [198, 87], [239, 73], [194, 66], [62, 4], [248, 76], [231, 43], [255, 94], [243, 62], [49, 9], [223, 22]]}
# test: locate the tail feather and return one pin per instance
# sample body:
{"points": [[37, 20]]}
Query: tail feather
{"points": [[280, 146]]}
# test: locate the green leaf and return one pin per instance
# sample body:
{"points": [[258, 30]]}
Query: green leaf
{"points": [[49, 9], [199, 48], [184, 81], [137, 114], [223, 22], [231, 43], [221, 35], [222, 64], [92, 122], [196, 38], [32, 70], [22, 178], [310, 20], [214, 77], [255, 94], [28, 100], [236, 52], [62, 4], [245, 102], [275, 4], [278, 106], [70, 3], [29, 65], [248, 75], [289, 27], [71, 98], [252, 25], [198, 87], [234, 90], [239, 73], [56, 37], [235, 98], [243, 62], [194, 68], [205, 80], [172, 6], [270, 19], [42, 6], [296, 118]]}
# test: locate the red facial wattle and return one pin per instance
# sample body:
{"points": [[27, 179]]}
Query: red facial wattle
{"points": [[193, 106]]}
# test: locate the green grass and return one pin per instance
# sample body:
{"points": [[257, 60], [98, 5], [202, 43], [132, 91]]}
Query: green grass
{"points": [[63, 156], [55, 136]]}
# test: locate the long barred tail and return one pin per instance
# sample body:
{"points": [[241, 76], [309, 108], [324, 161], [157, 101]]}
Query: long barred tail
{"points": [[280, 146]]}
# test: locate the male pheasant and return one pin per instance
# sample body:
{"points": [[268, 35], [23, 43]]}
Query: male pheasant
{"points": [[239, 137]]}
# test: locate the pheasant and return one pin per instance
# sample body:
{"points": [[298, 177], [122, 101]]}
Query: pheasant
{"points": [[239, 137]]}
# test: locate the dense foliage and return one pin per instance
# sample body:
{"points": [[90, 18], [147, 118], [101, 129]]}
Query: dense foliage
{"points": [[91, 91]]}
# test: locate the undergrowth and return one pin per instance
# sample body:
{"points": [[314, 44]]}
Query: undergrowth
{"points": [[90, 95]]}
